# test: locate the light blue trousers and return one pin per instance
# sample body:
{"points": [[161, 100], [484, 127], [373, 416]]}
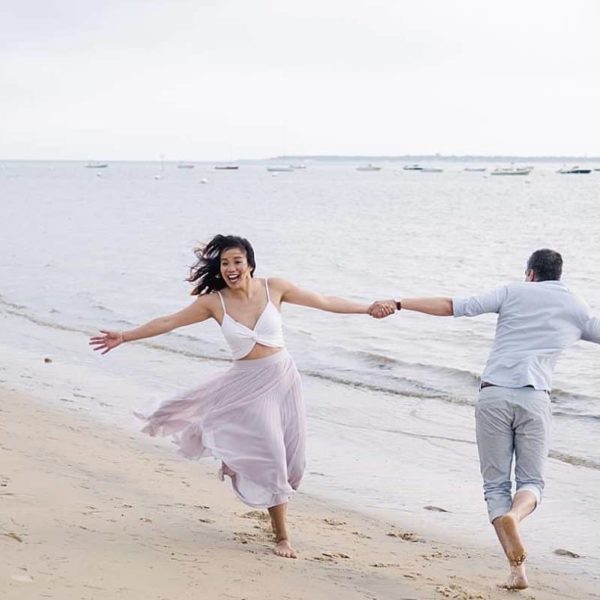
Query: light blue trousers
{"points": [[512, 422]]}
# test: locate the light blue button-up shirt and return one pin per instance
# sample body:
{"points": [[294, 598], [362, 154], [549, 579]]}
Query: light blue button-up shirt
{"points": [[536, 321]]}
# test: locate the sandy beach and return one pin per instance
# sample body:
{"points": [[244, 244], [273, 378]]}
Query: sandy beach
{"points": [[92, 512]]}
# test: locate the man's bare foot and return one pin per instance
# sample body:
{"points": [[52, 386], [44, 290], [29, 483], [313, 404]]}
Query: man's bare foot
{"points": [[517, 579], [284, 548], [510, 537]]}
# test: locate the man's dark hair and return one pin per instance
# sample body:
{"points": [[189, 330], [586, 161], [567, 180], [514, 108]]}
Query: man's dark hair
{"points": [[546, 265]]}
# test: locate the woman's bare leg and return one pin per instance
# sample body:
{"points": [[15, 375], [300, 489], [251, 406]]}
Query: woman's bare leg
{"points": [[507, 530], [283, 546]]}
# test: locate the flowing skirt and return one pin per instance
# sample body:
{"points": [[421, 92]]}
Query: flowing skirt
{"points": [[251, 418]]}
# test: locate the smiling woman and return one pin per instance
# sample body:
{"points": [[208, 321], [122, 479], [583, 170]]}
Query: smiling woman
{"points": [[252, 416]]}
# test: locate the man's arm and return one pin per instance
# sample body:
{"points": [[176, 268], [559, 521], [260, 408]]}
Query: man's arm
{"points": [[439, 307], [487, 302], [591, 330], [459, 306]]}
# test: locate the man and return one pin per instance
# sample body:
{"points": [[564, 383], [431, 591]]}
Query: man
{"points": [[537, 320]]}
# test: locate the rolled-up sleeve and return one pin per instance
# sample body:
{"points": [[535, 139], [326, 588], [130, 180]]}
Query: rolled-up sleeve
{"points": [[471, 306], [591, 330]]}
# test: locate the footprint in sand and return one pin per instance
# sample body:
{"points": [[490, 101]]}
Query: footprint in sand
{"points": [[245, 538], [334, 522], [331, 556], [23, 576], [407, 536], [437, 555], [263, 519], [335, 554], [256, 514], [456, 592], [362, 536], [322, 559]]}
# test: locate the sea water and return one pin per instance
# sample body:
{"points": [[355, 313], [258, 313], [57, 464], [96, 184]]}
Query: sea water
{"points": [[390, 403]]}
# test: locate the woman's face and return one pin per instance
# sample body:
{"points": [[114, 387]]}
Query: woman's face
{"points": [[235, 270]]}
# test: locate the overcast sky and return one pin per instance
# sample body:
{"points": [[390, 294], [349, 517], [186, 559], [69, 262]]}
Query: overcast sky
{"points": [[229, 79]]}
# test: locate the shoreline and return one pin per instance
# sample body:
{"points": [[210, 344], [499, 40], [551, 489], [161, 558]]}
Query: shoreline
{"points": [[89, 510]]}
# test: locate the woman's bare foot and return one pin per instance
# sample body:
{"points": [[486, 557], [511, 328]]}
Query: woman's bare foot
{"points": [[284, 548], [517, 579], [507, 527]]}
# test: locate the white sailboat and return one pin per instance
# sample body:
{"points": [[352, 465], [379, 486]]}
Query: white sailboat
{"points": [[280, 169], [369, 167], [512, 171]]}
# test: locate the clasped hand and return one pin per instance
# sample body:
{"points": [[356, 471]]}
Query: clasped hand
{"points": [[382, 308]]}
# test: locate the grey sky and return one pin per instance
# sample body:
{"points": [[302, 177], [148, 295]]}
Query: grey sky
{"points": [[227, 79]]}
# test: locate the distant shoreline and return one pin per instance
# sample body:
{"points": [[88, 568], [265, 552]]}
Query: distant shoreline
{"points": [[438, 157], [324, 158]]}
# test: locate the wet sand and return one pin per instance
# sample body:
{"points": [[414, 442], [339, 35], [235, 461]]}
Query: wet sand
{"points": [[88, 511]]}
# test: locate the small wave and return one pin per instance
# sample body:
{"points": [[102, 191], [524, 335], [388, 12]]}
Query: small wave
{"points": [[377, 372], [574, 460], [5, 302], [38, 321], [186, 353], [394, 430], [21, 311], [102, 308], [382, 373], [561, 397], [378, 360], [428, 370], [576, 415], [410, 389]]}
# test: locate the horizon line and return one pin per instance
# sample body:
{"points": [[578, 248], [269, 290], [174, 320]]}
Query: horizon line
{"points": [[323, 157]]}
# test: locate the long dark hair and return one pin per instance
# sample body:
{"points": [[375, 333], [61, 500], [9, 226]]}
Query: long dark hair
{"points": [[206, 273]]}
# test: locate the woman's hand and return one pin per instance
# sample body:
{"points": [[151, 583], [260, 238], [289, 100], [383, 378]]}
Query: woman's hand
{"points": [[107, 341], [198, 311]]}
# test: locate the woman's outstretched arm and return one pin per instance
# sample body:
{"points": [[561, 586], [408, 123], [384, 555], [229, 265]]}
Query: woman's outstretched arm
{"points": [[290, 292], [198, 311]]}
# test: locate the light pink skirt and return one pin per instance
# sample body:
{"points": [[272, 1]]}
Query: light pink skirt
{"points": [[251, 418]]}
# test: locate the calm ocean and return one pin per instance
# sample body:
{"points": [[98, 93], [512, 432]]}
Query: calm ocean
{"points": [[390, 402]]}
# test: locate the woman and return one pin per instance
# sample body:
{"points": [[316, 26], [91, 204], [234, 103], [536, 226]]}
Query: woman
{"points": [[251, 417]]}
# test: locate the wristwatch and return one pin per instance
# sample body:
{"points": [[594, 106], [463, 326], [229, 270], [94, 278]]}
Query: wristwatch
{"points": [[398, 304]]}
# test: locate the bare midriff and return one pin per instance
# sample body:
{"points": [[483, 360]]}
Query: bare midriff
{"points": [[260, 351]]}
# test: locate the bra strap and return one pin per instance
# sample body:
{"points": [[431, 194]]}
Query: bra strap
{"points": [[267, 288], [222, 303]]}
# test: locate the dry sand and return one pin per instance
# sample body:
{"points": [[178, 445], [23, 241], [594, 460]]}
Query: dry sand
{"points": [[90, 512]]}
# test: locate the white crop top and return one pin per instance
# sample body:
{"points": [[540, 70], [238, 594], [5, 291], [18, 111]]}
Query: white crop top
{"points": [[268, 330]]}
